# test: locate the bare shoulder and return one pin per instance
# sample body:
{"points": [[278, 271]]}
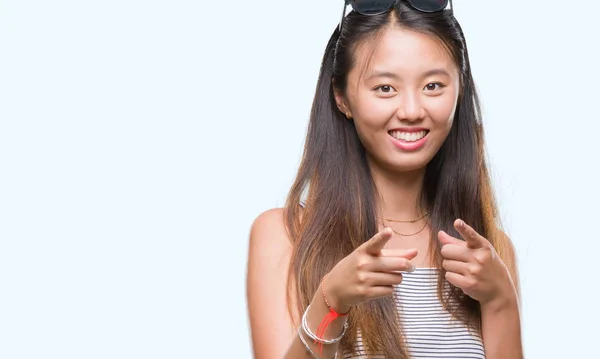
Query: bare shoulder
{"points": [[269, 226], [269, 239], [269, 256]]}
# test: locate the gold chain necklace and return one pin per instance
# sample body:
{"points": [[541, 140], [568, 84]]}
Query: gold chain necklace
{"points": [[411, 221], [411, 234]]}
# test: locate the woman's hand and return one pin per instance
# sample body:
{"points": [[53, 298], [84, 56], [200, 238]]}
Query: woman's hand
{"points": [[474, 266], [367, 273]]}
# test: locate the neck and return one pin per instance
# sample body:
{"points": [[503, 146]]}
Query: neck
{"points": [[399, 194]]}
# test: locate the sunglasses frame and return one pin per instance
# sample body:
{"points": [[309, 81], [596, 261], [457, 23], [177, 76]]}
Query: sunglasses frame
{"points": [[410, 2]]}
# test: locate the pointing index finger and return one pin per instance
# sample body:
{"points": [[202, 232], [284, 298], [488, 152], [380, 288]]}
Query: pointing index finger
{"points": [[375, 245], [474, 240]]}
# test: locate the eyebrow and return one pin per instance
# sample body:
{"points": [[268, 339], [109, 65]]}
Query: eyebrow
{"points": [[438, 71]]}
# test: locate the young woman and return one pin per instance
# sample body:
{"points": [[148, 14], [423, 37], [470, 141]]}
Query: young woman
{"points": [[389, 244]]}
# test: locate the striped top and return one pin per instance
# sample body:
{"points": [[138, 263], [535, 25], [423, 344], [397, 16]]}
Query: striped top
{"points": [[429, 329]]}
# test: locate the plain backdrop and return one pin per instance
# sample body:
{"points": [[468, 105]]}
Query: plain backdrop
{"points": [[140, 139]]}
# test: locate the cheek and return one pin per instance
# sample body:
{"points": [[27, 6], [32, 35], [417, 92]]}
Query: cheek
{"points": [[442, 113], [372, 113], [369, 131], [370, 118]]}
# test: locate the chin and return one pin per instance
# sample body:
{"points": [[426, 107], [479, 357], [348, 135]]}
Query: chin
{"points": [[408, 167], [405, 165]]}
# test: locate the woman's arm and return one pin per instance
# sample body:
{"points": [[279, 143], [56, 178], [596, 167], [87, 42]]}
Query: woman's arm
{"points": [[501, 321], [273, 334]]}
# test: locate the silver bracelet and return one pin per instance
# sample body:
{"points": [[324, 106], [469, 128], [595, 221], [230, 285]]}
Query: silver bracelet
{"points": [[316, 338], [308, 349]]}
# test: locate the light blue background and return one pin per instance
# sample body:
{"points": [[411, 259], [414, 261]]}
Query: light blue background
{"points": [[139, 139]]}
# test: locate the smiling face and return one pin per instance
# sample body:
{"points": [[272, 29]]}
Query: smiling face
{"points": [[402, 95]]}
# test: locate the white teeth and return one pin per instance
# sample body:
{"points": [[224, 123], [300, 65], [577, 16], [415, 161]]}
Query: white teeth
{"points": [[408, 136]]}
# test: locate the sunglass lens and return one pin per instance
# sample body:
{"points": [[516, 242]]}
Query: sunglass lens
{"points": [[429, 5], [372, 7]]}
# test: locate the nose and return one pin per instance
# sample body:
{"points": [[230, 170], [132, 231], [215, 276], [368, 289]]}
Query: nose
{"points": [[410, 107]]}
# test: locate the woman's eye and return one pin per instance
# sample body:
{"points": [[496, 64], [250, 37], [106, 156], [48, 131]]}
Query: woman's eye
{"points": [[385, 88], [434, 86]]}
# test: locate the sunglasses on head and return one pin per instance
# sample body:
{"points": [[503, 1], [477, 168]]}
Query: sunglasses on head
{"points": [[377, 7]]}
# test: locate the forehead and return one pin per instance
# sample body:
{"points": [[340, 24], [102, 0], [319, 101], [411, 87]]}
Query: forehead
{"points": [[403, 52]]}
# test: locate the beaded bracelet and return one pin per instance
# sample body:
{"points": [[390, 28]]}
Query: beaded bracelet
{"points": [[329, 318], [327, 302]]}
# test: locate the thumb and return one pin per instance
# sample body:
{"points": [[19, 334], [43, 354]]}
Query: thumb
{"points": [[445, 238], [375, 245]]}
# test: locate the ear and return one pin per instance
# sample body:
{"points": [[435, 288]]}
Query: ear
{"points": [[341, 102]]}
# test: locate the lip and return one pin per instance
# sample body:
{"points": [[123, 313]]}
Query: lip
{"points": [[410, 146], [409, 129]]}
